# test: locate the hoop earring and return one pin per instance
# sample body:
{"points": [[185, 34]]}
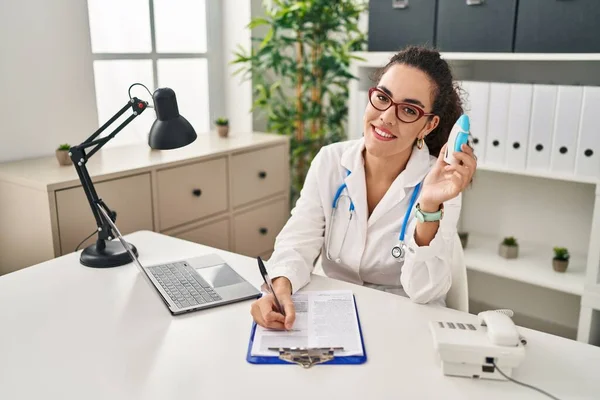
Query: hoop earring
{"points": [[420, 143]]}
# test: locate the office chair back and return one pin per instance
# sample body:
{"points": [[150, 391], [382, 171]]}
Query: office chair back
{"points": [[458, 295]]}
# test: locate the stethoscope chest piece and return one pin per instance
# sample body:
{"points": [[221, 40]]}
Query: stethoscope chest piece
{"points": [[398, 252]]}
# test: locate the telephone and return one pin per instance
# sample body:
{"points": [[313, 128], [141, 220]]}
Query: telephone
{"points": [[477, 350]]}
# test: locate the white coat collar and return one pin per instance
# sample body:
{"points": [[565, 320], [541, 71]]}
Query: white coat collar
{"points": [[416, 169]]}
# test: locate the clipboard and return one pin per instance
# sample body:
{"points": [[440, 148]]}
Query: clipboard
{"points": [[307, 357]]}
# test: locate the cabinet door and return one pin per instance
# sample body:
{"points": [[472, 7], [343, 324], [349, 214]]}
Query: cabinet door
{"points": [[394, 24], [256, 230], [555, 26], [190, 192], [130, 198], [476, 25], [258, 174], [215, 234]]}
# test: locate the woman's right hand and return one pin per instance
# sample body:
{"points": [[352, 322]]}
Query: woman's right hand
{"points": [[264, 310]]}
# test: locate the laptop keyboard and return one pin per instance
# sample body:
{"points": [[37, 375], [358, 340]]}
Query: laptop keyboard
{"points": [[183, 284]]}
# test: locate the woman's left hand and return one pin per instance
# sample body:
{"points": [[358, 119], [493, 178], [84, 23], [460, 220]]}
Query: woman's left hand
{"points": [[446, 181]]}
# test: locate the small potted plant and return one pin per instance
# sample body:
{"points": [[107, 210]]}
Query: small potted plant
{"points": [[560, 262], [62, 154], [222, 126], [509, 248]]}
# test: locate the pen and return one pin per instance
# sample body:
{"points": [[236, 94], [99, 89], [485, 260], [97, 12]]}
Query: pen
{"points": [[263, 272]]}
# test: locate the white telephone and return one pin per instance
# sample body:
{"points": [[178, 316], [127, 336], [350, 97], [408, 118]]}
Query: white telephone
{"points": [[477, 350]]}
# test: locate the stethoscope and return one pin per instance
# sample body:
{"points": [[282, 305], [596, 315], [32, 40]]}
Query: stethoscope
{"points": [[398, 251]]}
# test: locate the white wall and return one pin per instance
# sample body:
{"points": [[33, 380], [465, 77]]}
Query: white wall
{"points": [[46, 77]]}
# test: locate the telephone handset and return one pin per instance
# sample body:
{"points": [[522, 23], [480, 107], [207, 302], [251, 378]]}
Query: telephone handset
{"points": [[501, 329]]}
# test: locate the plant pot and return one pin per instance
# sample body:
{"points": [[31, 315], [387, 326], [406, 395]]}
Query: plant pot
{"points": [[464, 238], [508, 251], [559, 265], [223, 130], [63, 157]]}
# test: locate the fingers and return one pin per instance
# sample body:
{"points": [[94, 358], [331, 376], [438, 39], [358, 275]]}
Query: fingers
{"points": [[466, 156], [460, 174], [262, 311], [440, 159], [290, 312]]}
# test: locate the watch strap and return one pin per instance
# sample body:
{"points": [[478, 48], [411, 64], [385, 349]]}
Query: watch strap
{"points": [[425, 216]]}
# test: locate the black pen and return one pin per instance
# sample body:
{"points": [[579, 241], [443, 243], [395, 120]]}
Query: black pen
{"points": [[263, 272]]}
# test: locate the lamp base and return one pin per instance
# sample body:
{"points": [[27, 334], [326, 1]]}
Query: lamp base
{"points": [[113, 255]]}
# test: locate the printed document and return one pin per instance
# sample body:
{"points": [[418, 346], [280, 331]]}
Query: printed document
{"points": [[323, 319]]}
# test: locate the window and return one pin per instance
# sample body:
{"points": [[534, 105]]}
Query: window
{"points": [[160, 43]]}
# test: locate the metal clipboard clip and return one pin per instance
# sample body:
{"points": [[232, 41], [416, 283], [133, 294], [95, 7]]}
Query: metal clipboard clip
{"points": [[307, 357]]}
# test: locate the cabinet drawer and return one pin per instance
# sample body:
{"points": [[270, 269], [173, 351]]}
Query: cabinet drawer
{"points": [[394, 24], [130, 197], [553, 26], [476, 26], [215, 234], [258, 174], [190, 192], [256, 230]]}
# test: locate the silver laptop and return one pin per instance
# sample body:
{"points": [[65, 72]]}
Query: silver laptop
{"points": [[194, 284]]}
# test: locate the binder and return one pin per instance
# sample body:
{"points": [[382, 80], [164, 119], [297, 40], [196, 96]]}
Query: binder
{"points": [[476, 107], [587, 159], [519, 111], [307, 357], [566, 128], [497, 123], [543, 106]]}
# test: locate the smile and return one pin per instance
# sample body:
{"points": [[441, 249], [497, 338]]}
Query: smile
{"points": [[382, 134]]}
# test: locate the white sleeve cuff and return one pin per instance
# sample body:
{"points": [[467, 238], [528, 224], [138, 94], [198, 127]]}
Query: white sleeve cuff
{"points": [[298, 280], [418, 253]]}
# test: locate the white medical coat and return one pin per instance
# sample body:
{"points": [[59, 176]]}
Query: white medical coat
{"points": [[425, 274]]}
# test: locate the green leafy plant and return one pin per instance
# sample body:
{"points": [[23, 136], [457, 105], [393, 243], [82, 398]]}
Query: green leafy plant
{"points": [[301, 72], [222, 121], [561, 253], [509, 241], [65, 146]]}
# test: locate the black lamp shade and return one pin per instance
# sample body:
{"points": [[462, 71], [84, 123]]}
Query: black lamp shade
{"points": [[170, 130]]}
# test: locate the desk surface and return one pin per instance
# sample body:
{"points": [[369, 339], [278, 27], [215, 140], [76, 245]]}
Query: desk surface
{"points": [[71, 332]]}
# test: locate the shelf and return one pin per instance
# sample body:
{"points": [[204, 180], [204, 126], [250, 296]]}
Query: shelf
{"points": [[533, 265], [540, 174], [378, 58]]}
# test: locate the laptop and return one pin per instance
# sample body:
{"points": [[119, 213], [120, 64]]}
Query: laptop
{"points": [[194, 284]]}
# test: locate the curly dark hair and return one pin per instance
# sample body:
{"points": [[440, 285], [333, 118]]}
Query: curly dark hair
{"points": [[447, 102]]}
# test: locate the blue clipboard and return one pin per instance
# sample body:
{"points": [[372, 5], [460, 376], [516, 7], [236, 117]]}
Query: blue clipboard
{"points": [[336, 360]]}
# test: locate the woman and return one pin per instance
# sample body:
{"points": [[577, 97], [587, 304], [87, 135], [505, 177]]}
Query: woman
{"points": [[397, 166]]}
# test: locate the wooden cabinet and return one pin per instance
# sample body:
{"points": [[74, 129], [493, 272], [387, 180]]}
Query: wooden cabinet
{"points": [[229, 193]]}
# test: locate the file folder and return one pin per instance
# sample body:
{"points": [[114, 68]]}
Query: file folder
{"points": [[497, 123], [587, 160], [307, 357], [476, 107], [519, 111], [566, 128], [543, 105]]}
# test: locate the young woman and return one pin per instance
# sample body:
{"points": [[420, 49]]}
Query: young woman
{"points": [[382, 210]]}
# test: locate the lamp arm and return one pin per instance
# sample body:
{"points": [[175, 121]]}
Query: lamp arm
{"points": [[79, 157]]}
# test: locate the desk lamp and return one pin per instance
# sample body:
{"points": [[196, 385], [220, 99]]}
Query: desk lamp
{"points": [[169, 131]]}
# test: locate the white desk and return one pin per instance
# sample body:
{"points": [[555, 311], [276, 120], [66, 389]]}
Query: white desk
{"points": [[71, 332]]}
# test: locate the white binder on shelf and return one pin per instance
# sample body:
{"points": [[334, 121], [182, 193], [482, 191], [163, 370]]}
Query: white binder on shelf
{"points": [[587, 159], [497, 123], [566, 128], [476, 107], [519, 111], [543, 106]]}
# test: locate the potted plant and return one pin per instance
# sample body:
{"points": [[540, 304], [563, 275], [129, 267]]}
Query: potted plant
{"points": [[509, 248], [299, 66], [560, 262], [62, 154], [222, 126]]}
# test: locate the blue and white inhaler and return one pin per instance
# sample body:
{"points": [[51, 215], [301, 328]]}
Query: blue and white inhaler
{"points": [[458, 136]]}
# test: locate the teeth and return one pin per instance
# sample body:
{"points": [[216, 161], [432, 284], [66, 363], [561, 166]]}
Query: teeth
{"points": [[382, 133]]}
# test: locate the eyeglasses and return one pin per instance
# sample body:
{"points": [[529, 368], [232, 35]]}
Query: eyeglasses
{"points": [[405, 112]]}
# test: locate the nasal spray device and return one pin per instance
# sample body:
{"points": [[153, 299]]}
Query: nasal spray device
{"points": [[458, 136]]}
